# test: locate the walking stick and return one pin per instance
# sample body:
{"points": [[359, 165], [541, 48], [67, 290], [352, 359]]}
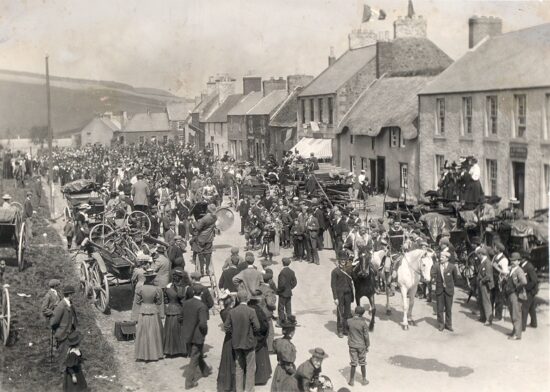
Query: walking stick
{"points": [[51, 348]]}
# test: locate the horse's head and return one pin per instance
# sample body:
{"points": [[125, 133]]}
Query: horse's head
{"points": [[426, 263]]}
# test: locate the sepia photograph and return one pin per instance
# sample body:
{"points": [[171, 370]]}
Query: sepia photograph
{"points": [[274, 195]]}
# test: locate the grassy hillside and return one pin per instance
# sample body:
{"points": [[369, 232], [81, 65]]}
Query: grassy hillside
{"points": [[74, 102]]}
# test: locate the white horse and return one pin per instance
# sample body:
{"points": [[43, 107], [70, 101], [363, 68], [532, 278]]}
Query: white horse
{"points": [[414, 265], [382, 264]]}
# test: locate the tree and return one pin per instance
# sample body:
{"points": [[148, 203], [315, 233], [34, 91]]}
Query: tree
{"points": [[39, 134]]}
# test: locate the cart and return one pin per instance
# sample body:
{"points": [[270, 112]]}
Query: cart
{"points": [[13, 233], [5, 311]]}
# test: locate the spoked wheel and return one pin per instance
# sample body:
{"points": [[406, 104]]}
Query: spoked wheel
{"points": [[84, 277], [101, 234], [99, 289], [21, 247], [138, 221], [5, 316]]}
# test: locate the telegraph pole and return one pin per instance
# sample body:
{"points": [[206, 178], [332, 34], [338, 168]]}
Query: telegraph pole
{"points": [[50, 137]]}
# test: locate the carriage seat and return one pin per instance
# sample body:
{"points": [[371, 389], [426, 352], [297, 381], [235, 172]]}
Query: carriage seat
{"points": [[7, 215]]}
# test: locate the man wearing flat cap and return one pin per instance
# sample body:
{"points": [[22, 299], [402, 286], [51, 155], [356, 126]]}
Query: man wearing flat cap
{"points": [[63, 322], [485, 284], [444, 274], [51, 299]]}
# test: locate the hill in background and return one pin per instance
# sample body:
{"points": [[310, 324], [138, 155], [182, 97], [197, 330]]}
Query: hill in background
{"points": [[74, 101]]}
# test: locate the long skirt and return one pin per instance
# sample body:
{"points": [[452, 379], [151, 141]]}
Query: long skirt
{"points": [[226, 372], [148, 344], [80, 385], [327, 240], [172, 339], [283, 382], [263, 365], [274, 246]]}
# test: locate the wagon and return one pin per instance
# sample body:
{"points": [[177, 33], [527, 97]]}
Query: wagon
{"points": [[5, 311], [13, 233], [79, 193]]}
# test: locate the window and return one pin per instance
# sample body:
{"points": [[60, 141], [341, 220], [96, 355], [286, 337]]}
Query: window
{"points": [[165, 138], [492, 110], [403, 175], [330, 111], [311, 110], [395, 136], [141, 139], [372, 142], [364, 163], [320, 109], [521, 115], [491, 170], [440, 112], [351, 139], [467, 115], [303, 110], [180, 125], [352, 164], [439, 163]]}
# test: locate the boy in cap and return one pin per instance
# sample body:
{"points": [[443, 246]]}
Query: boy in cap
{"points": [[63, 321], [51, 299], [68, 231], [358, 343]]}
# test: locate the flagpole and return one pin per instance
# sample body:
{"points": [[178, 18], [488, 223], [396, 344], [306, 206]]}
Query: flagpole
{"points": [[50, 137]]}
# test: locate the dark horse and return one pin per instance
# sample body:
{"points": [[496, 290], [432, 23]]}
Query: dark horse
{"points": [[364, 280]]}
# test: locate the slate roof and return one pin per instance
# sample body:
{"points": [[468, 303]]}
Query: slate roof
{"points": [[507, 61], [148, 122], [388, 102], [206, 107], [287, 114], [220, 114], [179, 111], [246, 103], [333, 77], [103, 122], [269, 103]]}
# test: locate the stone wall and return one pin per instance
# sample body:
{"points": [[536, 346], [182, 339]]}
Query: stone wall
{"points": [[410, 27], [484, 146]]}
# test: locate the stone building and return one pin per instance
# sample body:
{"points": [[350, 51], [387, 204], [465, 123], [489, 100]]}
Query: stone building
{"points": [[101, 129], [146, 127], [494, 104], [379, 133], [178, 115], [236, 118], [216, 126]]}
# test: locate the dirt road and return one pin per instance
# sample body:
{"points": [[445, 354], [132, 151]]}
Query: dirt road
{"points": [[423, 359]]}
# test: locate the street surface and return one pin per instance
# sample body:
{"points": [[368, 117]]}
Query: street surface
{"points": [[420, 359]]}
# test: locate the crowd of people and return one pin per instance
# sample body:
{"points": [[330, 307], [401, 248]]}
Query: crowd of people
{"points": [[171, 305]]}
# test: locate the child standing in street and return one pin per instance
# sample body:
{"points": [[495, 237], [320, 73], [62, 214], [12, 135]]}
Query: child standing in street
{"points": [[68, 231], [358, 342], [74, 378]]}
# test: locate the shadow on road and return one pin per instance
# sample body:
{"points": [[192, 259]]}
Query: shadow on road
{"points": [[496, 327], [429, 365], [121, 297]]}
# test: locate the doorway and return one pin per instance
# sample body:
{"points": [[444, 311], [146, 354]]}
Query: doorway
{"points": [[381, 174], [373, 174], [518, 173]]}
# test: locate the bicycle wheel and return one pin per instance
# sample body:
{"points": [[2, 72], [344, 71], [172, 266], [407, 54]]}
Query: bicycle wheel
{"points": [[138, 221], [101, 234]]}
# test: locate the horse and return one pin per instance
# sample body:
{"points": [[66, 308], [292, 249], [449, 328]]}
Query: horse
{"points": [[364, 281], [415, 264], [379, 260]]}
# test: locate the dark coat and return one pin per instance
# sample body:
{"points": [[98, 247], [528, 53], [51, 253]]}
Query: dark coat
{"points": [[340, 228], [63, 320], [286, 282], [226, 280], [242, 323], [194, 314], [451, 275], [358, 332], [340, 283], [532, 286]]}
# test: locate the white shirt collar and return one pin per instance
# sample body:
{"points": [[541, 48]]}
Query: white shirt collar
{"points": [[67, 301]]}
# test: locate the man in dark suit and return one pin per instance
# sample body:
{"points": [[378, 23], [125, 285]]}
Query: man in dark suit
{"points": [[340, 227], [226, 280], [322, 221], [342, 293], [485, 283], [51, 299], [528, 307], [286, 282], [63, 322], [312, 237], [194, 317], [242, 323], [444, 274], [244, 208], [201, 290]]}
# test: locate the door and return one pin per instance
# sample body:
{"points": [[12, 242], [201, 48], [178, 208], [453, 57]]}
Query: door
{"points": [[381, 174], [518, 171], [257, 154], [373, 174]]}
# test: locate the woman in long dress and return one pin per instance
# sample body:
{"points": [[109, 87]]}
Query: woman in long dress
{"points": [[173, 329], [283, 377], [138, 279], [74, 378], [263, 364], [226, 371], [148, 344]]}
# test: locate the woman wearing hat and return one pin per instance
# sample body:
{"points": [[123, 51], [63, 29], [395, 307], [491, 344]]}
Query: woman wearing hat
{"points": [[283, 377], [148, 345], [226, 371], [138, 279], [174, 294], [74, 378]]}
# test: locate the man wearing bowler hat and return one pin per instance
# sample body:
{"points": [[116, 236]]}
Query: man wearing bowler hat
{"points": [[342, 291], [64, 321]]}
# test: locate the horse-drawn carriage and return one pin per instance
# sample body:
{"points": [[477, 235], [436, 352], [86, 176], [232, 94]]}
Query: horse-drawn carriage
{"points": [[13, 233], [83, 196]]}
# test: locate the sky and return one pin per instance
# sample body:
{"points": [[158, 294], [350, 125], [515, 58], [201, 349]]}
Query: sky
{"points": [[176, 44]]}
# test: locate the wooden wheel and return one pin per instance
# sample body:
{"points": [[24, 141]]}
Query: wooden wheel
{"points": [[100, 289], [5, 316], [21, 247], [139, 221], [84, 277], [101, 233]]}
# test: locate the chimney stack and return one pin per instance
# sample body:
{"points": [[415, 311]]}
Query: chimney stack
{"points": [[331, 57], [251, 84], [481, 27], [211, 86], [273, 84]]}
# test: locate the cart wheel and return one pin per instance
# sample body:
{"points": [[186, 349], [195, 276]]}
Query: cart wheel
{"points": [[100, 289], [5, 316], [21, 247], [101, 233], [138, 220], [84, 277]]}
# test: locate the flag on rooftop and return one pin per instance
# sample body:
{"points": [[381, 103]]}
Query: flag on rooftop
{"points": [[369, 12]]}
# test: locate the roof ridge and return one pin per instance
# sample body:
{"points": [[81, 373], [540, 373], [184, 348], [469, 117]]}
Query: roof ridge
{"points": [[285, 101]]}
